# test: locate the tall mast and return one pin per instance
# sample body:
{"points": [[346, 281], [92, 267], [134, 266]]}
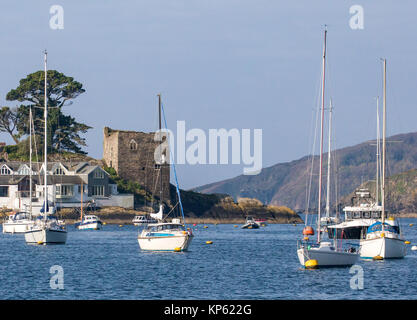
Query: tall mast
{"points": [[377, 152], [45, 140], [328, 162], [321, 133], [30, 161], [384, 125], [82, 192], [160, 134]]}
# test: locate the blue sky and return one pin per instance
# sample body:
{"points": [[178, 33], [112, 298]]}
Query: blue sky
{"points": [[220, 64]]}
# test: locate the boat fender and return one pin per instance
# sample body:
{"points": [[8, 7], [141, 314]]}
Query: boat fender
{"points": [[311, 264]]}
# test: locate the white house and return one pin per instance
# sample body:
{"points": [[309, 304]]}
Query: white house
{"points": [[68, 184]]}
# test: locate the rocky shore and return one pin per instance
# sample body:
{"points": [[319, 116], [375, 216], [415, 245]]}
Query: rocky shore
{"points": [[226, 211]]}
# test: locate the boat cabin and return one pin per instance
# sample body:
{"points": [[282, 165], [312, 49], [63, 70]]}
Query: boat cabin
{"points": [[363, 212], [165, 226]]}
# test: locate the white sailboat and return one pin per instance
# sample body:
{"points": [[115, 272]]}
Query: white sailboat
{"points": [[87, 221], [163, 235], [382, 240], [47, 229], [323, 253], [20, 222]]}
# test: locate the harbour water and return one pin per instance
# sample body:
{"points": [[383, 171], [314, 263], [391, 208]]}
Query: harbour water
{"points": [[240, 264]]}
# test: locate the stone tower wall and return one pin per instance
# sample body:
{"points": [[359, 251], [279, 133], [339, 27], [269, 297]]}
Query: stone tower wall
{"points": [[131, 154]]}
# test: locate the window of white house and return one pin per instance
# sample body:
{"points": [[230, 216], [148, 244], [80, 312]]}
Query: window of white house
{"points": [[4, 191], [24, 170], [98, 174], [133, 145], [97, 190], [84, 188], [5, 170], [59, 171], [64, 190]]}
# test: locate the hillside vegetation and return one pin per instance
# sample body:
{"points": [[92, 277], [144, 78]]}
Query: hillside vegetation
{"points": [[285, 183]]}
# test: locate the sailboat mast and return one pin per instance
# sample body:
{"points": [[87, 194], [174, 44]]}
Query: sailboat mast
{"points": [[384, 128], [160, 134], [321, 134], [30, 162], [82, 192], [328, 162], [377, 152], [45, 139]]}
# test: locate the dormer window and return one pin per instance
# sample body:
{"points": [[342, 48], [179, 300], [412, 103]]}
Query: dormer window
{"points": [[5, 170], [133, 145], [98, 174], [59, 171]]}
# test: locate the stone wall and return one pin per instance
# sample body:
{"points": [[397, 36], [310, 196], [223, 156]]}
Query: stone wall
{"points": [[131, 154]]}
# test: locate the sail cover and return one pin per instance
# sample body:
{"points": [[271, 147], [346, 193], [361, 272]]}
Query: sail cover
{"points": [[159, 214]]}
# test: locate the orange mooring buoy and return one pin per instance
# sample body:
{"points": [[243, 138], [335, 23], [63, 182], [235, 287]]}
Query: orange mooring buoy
{"points": [[308, 231]]}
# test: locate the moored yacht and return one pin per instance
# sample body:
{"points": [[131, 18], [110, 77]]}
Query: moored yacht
{"points": [[382, 240], [250, 224], [164, 235], [323, 253], [18, 222], [89, 222], [47, 229]]}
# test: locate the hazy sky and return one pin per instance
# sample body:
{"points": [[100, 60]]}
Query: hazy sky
{"points": [[220, 64]]}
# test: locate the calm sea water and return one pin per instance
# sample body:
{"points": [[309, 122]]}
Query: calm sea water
{"points": [[240, 264]]}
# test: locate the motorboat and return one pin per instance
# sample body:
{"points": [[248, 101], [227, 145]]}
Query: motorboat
{"points": [[18, 222], [250, 224], [89, 222]]}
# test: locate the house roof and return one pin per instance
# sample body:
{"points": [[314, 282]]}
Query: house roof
{"points": [[52, 179]]}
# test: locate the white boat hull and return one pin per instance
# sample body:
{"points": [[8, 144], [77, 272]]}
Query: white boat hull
{"points": [[90, 226], [327, 258], [46, 236], [165, 243], [384, 247], [17, 227]]}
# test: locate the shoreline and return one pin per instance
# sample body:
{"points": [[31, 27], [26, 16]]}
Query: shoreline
{"points": [[196, 221]]}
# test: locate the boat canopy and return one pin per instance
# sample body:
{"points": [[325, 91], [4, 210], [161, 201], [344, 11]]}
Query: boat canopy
{"points": [[377, 226]]}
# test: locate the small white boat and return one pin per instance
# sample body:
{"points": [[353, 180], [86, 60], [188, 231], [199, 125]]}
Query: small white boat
{"points": [[89, 222], [383, 242], [18, 222], [165, 236], [46, 231], [250, 224], [143, 220], [326, 255]]}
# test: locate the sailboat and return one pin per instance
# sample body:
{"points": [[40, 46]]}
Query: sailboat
{"points": [[20, 222], [364, 210], [87, 221], [382, 240], [47, 229], [164, 235], [323, 253]]}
